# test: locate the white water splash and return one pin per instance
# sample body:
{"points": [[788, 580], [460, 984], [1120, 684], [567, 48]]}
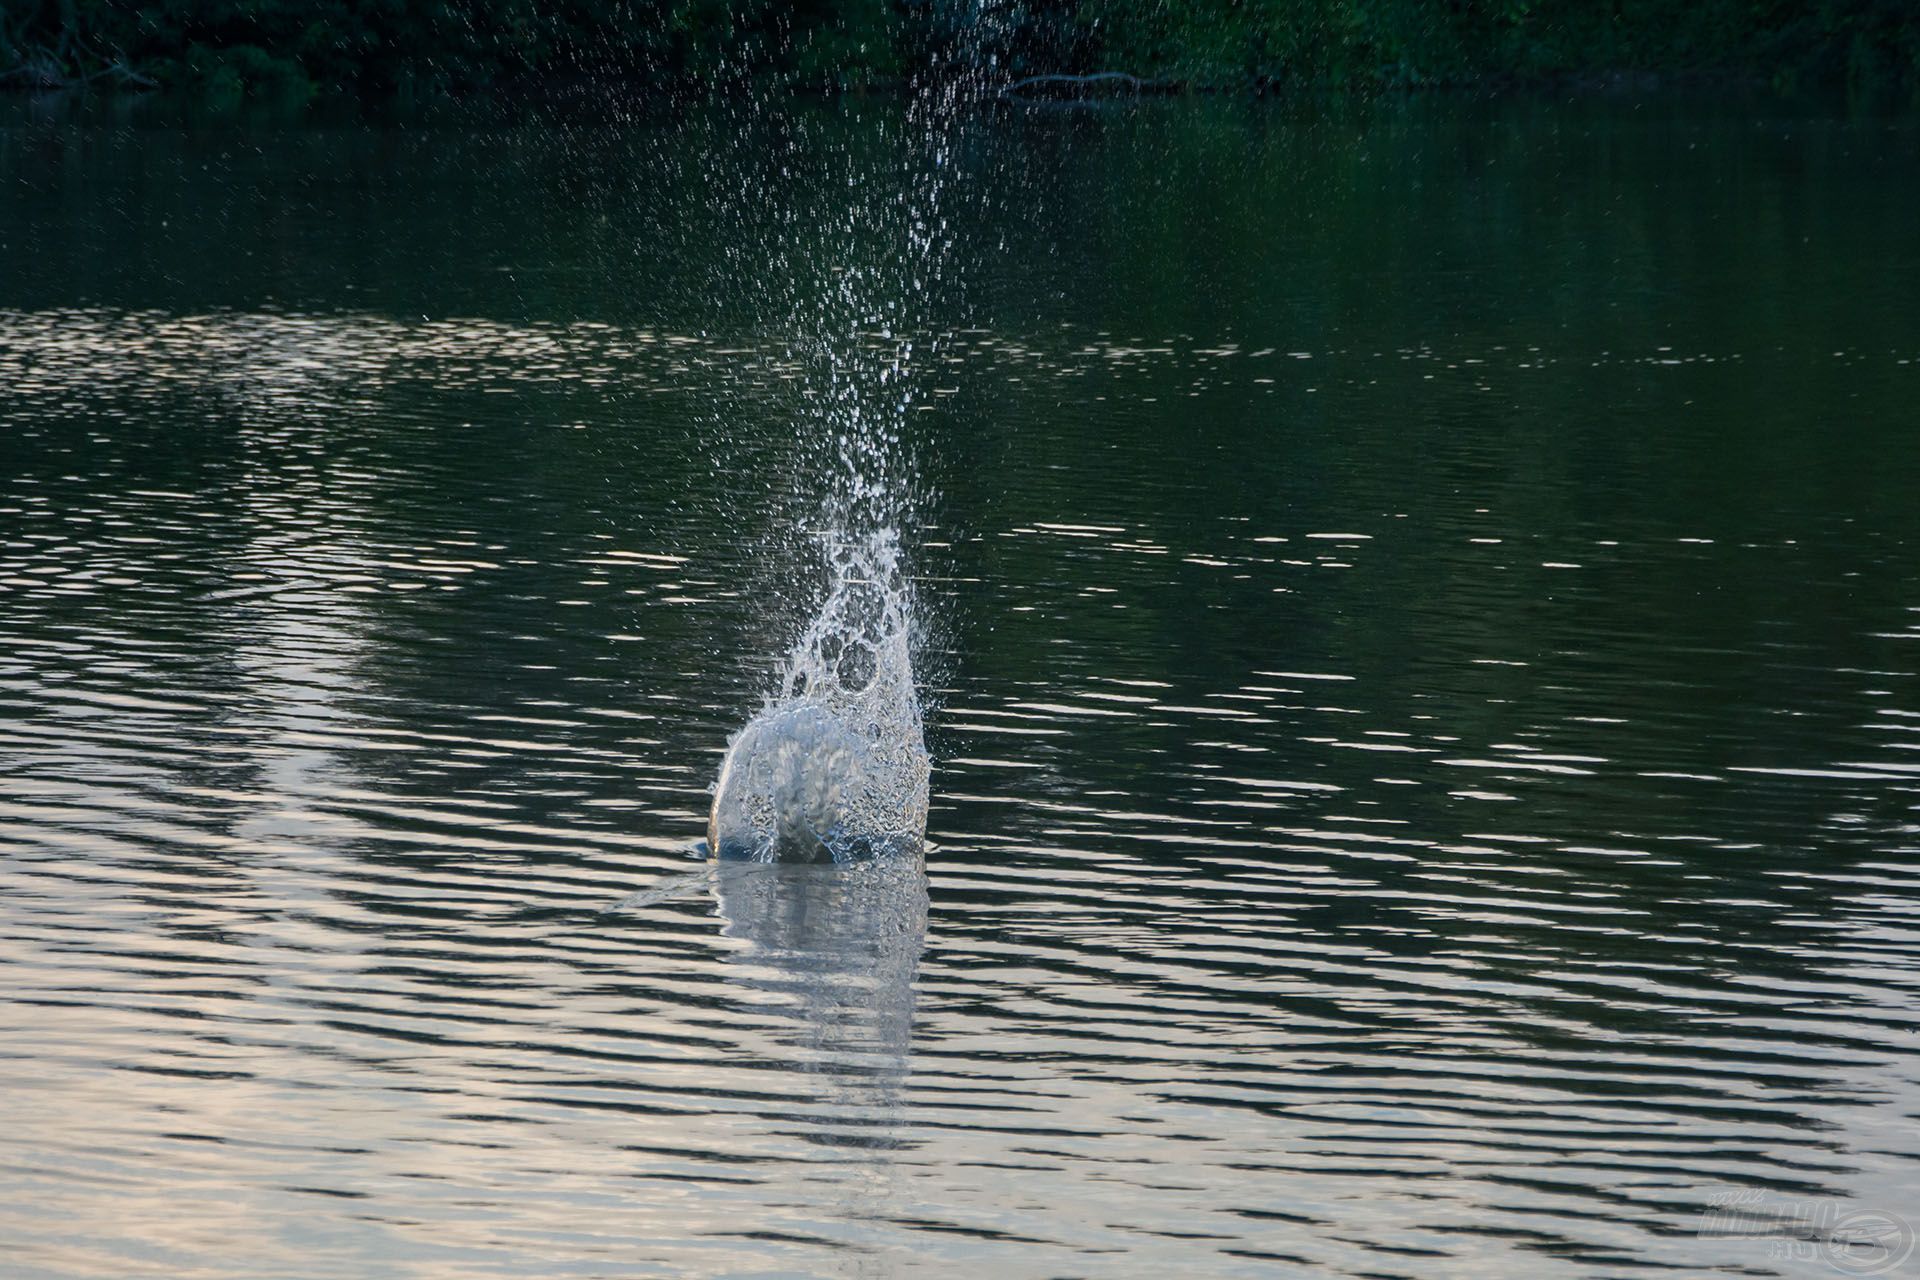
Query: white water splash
{"points": [[835, 766]]}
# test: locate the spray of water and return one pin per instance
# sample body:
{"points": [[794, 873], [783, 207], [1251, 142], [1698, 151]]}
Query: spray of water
{"points": [[835, 766]]}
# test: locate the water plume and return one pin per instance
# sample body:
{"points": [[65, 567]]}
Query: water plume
{"points": [[835, 767]]}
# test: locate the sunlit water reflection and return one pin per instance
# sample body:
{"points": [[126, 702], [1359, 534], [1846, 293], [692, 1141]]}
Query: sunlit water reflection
{"points": [[1423, 630]]}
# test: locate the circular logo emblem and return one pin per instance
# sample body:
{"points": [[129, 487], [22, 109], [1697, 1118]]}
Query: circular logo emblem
{"points": [[1868, 1242]]}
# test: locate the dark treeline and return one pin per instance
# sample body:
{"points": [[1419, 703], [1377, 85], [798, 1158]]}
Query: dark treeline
{"points": [[227, 49]]}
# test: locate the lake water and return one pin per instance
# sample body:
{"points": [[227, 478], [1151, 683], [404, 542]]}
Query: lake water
{"points": [[1420, 631]]}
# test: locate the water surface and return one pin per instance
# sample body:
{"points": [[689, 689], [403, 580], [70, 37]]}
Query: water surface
{"points": [[1422, 641]]}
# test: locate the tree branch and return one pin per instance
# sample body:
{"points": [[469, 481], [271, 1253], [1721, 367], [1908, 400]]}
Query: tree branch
{"points": [[1099, 77]]}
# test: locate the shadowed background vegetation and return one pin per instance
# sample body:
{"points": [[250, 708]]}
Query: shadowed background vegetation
{"points": [[224, 50]]}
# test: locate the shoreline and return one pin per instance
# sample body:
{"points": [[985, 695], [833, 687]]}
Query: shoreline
{"points": [[639, 97], [682, 50]]}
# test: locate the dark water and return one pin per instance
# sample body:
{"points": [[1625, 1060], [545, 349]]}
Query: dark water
{"points": [[1423, 652]]}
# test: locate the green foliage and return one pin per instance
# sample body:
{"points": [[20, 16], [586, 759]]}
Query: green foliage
{"points": [[225, 50]]}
